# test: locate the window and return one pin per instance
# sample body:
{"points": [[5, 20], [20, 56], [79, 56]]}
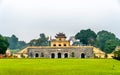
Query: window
{"points": [[59, 44], [60, 39], [42, 54], [64, 44], [54, 44], [73, 54]]}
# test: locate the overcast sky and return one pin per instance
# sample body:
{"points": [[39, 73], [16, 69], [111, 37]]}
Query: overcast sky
{"points": [[28, 18]]}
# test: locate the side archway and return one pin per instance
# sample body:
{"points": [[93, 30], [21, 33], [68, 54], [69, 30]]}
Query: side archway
{"points": [[66, 55], [52, 55], [82, 55], [36, 55]]}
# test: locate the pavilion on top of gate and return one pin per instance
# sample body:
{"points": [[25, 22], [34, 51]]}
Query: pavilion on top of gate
{"points": [[60, 41]]}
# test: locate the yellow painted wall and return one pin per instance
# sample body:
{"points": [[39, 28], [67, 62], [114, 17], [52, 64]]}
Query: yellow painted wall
{"points": [[57, 43], [98, 53], [110, 55]]}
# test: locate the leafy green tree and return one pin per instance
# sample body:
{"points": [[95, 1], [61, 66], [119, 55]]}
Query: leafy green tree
{"points": [[33, 42], [3, 45], [110, 46], [21, 45], [13, 42], [87, 37], [42, 41], [117, 54], [106, 41], [77, 43]]}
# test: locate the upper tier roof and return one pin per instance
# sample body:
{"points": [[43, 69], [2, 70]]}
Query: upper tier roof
{"points": [[60, 35]]}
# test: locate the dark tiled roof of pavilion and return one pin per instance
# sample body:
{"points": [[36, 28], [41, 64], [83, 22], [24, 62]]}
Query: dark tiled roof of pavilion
{"points": [[60, 35]]}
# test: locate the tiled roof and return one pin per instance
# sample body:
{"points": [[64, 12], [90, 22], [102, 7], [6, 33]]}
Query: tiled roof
{"points": [[24, 51], [98, 51], [60, 35]]}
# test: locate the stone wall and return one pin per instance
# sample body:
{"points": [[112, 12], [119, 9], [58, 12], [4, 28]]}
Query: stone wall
{"points": [[61, 52]]}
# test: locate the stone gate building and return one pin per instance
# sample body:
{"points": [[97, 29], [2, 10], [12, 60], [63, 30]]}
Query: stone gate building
{"points": [[60, 48]]}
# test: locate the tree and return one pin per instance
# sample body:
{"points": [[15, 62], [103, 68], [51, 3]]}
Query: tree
{"points": [[117, 54], [42, 41], [106, 41], [21, 45], [87, 37], [13, 42], [110, 46], [3, 45], [33, 42]]}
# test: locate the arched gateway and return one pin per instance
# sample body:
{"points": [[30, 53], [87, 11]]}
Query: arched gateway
{"points": [[82, 55], [36, 55], [52, 55], [59, 55], [60, 48], [66, 55]]}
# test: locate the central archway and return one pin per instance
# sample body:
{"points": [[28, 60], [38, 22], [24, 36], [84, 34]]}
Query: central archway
{"points": [[66, 55], [59, 55], [36, 55], [82, 55], [52, 55]]}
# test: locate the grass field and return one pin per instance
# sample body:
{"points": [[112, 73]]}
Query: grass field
{"points": [[59, 67]]}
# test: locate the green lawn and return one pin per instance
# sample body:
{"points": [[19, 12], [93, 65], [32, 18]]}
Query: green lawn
{"points": [[59, 67]]}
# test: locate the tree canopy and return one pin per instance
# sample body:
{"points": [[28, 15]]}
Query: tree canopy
{"points": [[15, 43], [117, 54], [42, 41], [3, 45], [87, 37], [106, 41]]}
